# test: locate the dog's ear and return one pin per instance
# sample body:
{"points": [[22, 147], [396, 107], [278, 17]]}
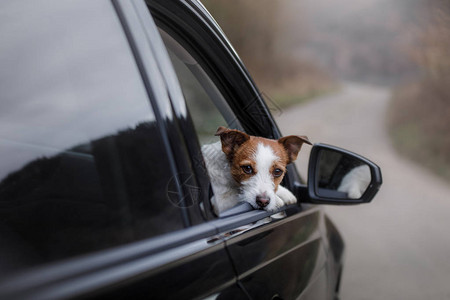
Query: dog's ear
{"points": [[293, 144], [231, 140]]}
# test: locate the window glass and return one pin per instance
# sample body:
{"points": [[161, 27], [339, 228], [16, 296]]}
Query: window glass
{"points": [[82, 166]]}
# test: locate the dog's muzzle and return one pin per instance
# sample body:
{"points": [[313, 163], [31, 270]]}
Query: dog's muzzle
{"points": [[262, 201]]}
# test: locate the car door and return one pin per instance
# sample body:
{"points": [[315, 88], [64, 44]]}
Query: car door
{"points": [[282, 256], [94, 197]]}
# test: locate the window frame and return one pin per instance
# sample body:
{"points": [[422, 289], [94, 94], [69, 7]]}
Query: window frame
{"points": [[165, 96]]}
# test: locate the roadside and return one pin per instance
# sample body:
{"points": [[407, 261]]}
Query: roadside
{"points": [[419, 123], [396, 247]]}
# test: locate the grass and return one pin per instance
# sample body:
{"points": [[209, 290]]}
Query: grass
{"points": [[418, 123], [285, 100], [409, 140]]}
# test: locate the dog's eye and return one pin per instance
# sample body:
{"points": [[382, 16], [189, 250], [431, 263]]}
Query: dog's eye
{"points": [[277, 172], [247, 169]]}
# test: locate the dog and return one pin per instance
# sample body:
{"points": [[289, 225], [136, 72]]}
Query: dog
{"points": [[355, 182], [249, 169]]}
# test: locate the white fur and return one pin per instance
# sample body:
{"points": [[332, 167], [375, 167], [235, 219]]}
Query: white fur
{"points": [[355, 182], [227, 192], [223, 185], [261, 184], [286, 196]]}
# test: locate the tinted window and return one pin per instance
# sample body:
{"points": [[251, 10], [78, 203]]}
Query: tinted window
{"points": [[82, 166]]}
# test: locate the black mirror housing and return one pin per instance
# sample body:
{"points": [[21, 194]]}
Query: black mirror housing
{"points": [[338, 176]]}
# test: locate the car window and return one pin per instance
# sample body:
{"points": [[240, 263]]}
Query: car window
{"points": [[206, 104], [82, 166]]}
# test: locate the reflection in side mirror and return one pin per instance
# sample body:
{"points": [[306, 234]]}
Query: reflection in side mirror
{"points": [[341, 175], [355, 182], [337, 176]]}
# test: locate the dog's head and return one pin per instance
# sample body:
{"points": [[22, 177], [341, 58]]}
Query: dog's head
{"points": [[258, 164]]}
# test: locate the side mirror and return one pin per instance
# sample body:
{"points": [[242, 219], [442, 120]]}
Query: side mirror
{"points": [[338, 176]]}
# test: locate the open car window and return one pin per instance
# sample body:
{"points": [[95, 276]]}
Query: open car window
{"points": [[206, 104]]}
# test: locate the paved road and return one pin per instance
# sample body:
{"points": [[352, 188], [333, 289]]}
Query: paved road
{"points": [[398, 246]]}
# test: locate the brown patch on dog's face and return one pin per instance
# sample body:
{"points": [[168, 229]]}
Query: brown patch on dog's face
{"points": [[231, 140]]}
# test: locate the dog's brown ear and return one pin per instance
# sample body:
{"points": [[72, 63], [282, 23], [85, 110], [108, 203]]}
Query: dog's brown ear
{"points": [[231, 140], [221, 130], [293, 144]]}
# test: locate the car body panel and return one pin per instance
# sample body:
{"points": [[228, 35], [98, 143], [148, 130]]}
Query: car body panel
{"points": [[281, 258], [161, 262]]}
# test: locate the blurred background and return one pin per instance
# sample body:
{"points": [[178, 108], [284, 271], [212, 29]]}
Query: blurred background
{"points": [[297, 50], [371, 76]]}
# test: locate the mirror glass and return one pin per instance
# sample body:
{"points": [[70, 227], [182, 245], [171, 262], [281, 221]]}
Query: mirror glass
{"points": [[339, 175]]}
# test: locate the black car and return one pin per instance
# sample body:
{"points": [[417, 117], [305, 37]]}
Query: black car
{"points": [[103, 192]]}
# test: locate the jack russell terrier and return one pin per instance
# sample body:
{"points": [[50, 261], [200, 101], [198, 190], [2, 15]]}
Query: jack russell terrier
{"points": [[249, 168]]}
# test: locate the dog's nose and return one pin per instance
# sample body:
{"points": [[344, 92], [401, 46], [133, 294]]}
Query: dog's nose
{"points": [[262, 201]]}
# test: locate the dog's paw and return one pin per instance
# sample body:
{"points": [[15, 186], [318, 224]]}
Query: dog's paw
{"points": [[286, 196], [279, 215], [275, 204], [278, 202]]}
